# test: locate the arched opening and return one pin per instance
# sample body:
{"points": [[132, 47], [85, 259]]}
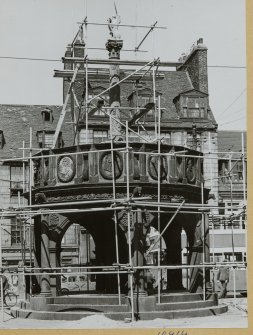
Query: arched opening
{"points": [[94, 236], [77, 251]]}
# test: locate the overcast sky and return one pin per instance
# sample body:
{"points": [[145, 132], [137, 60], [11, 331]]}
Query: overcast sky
{"points": [[43, 28]]}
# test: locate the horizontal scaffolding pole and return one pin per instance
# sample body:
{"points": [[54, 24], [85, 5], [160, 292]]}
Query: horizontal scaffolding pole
{"points": [[9, 214], [119, 62], [180, 154], [102, 75], [62, 154], [122, 268], [85, 202], [124, 25]]}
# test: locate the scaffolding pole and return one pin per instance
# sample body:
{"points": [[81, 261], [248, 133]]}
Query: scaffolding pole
{"points": [[30, 203], [129, 224], [203, 241], [159, 196], [115, 217], [1, 268]]}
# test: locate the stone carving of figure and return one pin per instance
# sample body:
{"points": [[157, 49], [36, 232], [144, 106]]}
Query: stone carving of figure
{"points": [[113, 25]]}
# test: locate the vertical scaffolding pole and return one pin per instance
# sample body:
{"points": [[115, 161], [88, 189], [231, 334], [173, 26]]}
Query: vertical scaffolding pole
{"points": [[244, 199], [154, 97], [129, 224], [30, 203], [243, 171], [203, 241], [23, 165], [22, 226], [115, 215], [213, 251], [1, 269], [232, 225], [159, 200], [86, 81]]}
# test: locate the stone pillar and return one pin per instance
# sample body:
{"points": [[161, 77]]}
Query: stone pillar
{"points": [[45, 257], [114, 46], [21, 281], [138, 250], [53, 261]]}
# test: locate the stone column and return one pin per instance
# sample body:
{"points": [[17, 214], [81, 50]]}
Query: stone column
{"points": [[53, 261], [45, 257], [21, 281], [114, 46], [138, 250]]}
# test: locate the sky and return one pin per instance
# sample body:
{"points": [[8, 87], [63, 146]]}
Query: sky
{"points": [[43, 28]]}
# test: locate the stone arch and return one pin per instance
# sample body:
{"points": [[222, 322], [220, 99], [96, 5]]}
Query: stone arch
{"points": [[102, 229]]}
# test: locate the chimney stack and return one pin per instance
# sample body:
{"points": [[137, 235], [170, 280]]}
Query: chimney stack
{"points": [[196, 65]]}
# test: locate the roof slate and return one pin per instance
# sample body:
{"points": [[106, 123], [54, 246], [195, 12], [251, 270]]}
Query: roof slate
{"points": [[16, 120]]}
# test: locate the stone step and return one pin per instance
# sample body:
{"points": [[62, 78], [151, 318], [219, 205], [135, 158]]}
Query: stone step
{"points": [[173, 314], [183, 297], [67, 316], [185, 305], [88, 308], [186, 313], [89, 300]]}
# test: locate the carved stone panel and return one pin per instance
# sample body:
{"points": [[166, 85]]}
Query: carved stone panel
{"points": [[66, 169], [105, 165], [153, 167]]}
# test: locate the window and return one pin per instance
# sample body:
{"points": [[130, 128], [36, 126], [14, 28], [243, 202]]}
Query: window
{"points": [[2, 141], [48, 140], [45, 139], [15, 231], [72, 279], [82, 136], [94, 136], [223, 171], [47, 115], [16, 179], [100, 136]]}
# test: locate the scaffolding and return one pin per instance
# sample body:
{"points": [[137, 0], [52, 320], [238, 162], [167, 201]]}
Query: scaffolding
{"points": [[130, 204]]}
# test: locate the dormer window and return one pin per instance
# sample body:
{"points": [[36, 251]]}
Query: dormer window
{"points": [[192, 104], [47, 115], [143, 98], [45, 139], [2, 141]]}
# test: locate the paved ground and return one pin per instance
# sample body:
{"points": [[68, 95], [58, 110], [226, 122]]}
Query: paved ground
{"points": [[236, 317]]}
